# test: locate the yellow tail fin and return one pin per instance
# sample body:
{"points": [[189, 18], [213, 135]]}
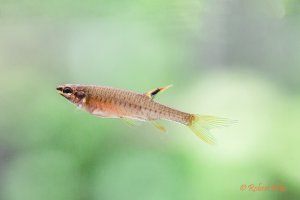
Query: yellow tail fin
{"points": [[202, 124]]}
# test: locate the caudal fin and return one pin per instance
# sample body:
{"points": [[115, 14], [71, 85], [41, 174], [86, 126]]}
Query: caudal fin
{"points": [[202, 124]]}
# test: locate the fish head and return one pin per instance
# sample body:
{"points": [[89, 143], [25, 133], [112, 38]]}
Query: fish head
{"points": [[74, 93]]}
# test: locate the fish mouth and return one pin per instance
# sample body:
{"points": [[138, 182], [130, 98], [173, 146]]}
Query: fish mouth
{"points": [[60, 90]]}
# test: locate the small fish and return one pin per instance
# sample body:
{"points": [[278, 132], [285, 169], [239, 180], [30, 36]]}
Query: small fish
{"points": [[117, 103]]}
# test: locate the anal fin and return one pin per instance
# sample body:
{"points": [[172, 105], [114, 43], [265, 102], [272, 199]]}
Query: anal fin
{"points": [[158, 126]]}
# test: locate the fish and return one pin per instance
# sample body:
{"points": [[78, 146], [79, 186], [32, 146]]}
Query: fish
{"points": [[109, 102]]}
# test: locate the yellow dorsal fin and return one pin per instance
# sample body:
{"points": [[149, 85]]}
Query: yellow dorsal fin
{"points": [[151, 94]]}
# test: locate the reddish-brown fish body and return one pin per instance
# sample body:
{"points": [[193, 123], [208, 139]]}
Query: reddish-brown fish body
{"points": [[117, 103]]}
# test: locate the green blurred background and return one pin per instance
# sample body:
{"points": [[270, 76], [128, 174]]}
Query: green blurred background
{"points": [[233, 58]]}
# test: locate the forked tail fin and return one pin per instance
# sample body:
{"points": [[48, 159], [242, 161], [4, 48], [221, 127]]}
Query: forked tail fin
{"points": [[202, 124]]}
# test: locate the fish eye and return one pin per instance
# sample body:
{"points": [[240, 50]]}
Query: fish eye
{"points": [[67, 90]]}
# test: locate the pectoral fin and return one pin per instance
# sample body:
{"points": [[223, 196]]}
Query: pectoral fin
{"points": [[151, 94]]}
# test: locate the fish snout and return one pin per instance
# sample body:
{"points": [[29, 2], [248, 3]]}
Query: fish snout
{"points": [[65, 90], [60, 89]]}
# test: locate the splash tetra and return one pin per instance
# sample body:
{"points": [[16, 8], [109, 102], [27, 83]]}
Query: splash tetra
{"points": [[117, 103]]}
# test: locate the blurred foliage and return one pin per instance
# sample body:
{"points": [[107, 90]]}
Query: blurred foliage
{"points": [[236, 59]]}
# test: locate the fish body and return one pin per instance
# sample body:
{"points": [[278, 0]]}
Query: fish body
{"points": [[111, 102]]}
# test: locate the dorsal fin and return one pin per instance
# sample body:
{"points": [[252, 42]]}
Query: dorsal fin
{"points": [[151, 94]]}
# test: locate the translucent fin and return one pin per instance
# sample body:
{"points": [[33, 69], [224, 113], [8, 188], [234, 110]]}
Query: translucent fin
{"points": [[130, 122], [201, 126], [151, 94], [158, 126]]}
